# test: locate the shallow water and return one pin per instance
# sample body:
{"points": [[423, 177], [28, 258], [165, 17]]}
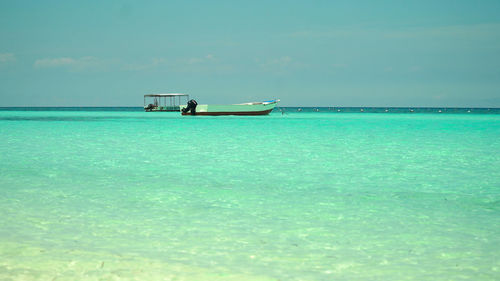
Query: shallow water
{"points": [[301, 196]]}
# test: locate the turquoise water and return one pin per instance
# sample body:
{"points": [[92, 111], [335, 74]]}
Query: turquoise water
{"points": [[120, 195]]}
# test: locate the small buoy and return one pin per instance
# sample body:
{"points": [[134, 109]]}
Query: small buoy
{"points": [[411, 110], [338, 110], [316, 109], [300, 109], [439, 111], [387, 110], [468, 111], [362, 110]]}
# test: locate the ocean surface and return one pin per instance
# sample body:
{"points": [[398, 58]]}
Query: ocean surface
{"points": [[309, 194]]}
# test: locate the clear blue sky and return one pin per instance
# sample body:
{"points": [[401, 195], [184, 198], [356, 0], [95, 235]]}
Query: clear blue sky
{"points": [[307, 53]]}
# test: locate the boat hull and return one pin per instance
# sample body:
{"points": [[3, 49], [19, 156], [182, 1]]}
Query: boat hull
{"points": [[257, 108], [265, 112]]}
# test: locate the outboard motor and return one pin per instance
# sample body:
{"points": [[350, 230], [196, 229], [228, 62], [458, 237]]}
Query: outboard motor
{"points": [[149, 107], [191, 106]]}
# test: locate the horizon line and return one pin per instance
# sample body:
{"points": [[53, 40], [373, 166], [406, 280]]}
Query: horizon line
{"points": [[126, 106]]}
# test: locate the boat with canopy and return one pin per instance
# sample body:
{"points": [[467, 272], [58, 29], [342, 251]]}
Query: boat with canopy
{"points": [[164, 102]]}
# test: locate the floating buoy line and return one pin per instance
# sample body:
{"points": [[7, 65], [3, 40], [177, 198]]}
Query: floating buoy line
{"points": [[385, 110]]}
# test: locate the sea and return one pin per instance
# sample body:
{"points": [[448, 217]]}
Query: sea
{"points": [[301, 194]]}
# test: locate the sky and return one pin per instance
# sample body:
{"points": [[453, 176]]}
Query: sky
{"points": [[306, 53]]}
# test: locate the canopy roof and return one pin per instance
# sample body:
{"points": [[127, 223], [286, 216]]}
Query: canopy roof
{"points": [[166, 95]]}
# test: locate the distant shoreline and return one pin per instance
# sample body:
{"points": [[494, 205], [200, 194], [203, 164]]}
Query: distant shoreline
{"points": [[140, 107], [287, 109]]}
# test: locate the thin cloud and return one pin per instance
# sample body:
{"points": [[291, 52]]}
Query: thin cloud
{"points": [[42, 63], [7, 57], [280, 63], [75, 64], [198, 60]]}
